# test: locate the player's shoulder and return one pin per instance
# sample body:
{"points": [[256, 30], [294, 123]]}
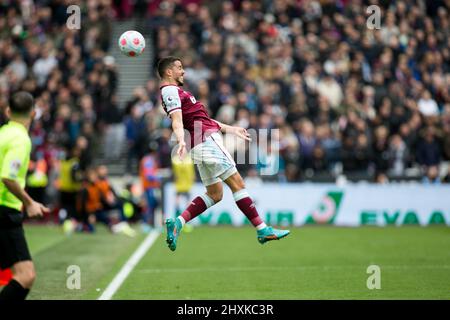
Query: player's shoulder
{"points": [[14, 137], [14, 130], [170, 88], [23, 139]]}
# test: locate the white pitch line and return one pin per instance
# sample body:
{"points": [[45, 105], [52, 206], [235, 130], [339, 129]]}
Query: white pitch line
{"points": [[129, 266]]}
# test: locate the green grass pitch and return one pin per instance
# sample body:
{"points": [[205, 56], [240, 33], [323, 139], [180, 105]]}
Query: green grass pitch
{"points": [[314, 262]]}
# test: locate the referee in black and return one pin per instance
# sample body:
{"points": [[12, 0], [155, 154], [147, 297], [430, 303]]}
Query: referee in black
{"points": [[15, 148]]}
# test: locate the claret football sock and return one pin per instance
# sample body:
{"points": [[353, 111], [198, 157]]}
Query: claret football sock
{"points": [[245, 203], [197, 206], [182, 221]]}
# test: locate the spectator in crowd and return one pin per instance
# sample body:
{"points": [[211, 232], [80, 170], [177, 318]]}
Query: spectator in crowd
{"points": [[107, 192], [431, 176], [114, 130], [398, 155], [151, 181], [380, 148], [164, 148], [93, 205], [428, 150], [69, 182], [184, 179], [307, 142], [37, 179], [381, 178], [427, 106], [89, 203], [131, 204], [135, 124], [357, 155]]}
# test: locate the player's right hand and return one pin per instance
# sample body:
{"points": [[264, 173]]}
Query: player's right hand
{"points": [[36, 209], [181, 149]]}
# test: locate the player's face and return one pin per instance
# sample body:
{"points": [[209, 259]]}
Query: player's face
{"points": [[178, 73]]}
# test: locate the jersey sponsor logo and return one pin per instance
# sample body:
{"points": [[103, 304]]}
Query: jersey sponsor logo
{"points": [[171, 101], [14, 168]]}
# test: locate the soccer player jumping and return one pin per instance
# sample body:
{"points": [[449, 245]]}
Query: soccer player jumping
{"points": [[214, 162]]}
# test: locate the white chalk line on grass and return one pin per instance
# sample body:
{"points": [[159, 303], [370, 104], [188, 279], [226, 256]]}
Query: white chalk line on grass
{"points": [[129, 266], [299, 268]]}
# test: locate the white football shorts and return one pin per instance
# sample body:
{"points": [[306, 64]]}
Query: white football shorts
{"points": [[213, 161]]}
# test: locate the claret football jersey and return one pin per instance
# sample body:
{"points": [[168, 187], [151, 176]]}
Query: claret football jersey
{"points": [[195, 117]]}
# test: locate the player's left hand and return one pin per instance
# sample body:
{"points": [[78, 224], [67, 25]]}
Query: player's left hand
{"points": [[242, 133], [181, 150]]}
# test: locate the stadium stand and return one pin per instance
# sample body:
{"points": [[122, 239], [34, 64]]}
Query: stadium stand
{"points": [[347, 99]]}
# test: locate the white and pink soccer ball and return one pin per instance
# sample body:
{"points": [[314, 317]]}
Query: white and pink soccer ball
{"points": [[131, 43]]}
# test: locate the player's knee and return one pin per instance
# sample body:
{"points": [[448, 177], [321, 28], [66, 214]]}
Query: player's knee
{"points": [[216, 196], [240, 184]]}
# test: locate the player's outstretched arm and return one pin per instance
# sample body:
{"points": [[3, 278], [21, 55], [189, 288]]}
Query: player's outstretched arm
{"points": [[239, 131], [178, 129]]}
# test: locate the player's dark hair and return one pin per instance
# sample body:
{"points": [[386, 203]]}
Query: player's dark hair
{"points": [[21, 103], [166, 63]]}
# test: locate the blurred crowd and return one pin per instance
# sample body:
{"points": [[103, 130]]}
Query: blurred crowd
{"points": [[346, 98], [68, 72], [73, 82]]}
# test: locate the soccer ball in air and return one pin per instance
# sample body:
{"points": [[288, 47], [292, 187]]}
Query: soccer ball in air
{"points": [[131, 43]]}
